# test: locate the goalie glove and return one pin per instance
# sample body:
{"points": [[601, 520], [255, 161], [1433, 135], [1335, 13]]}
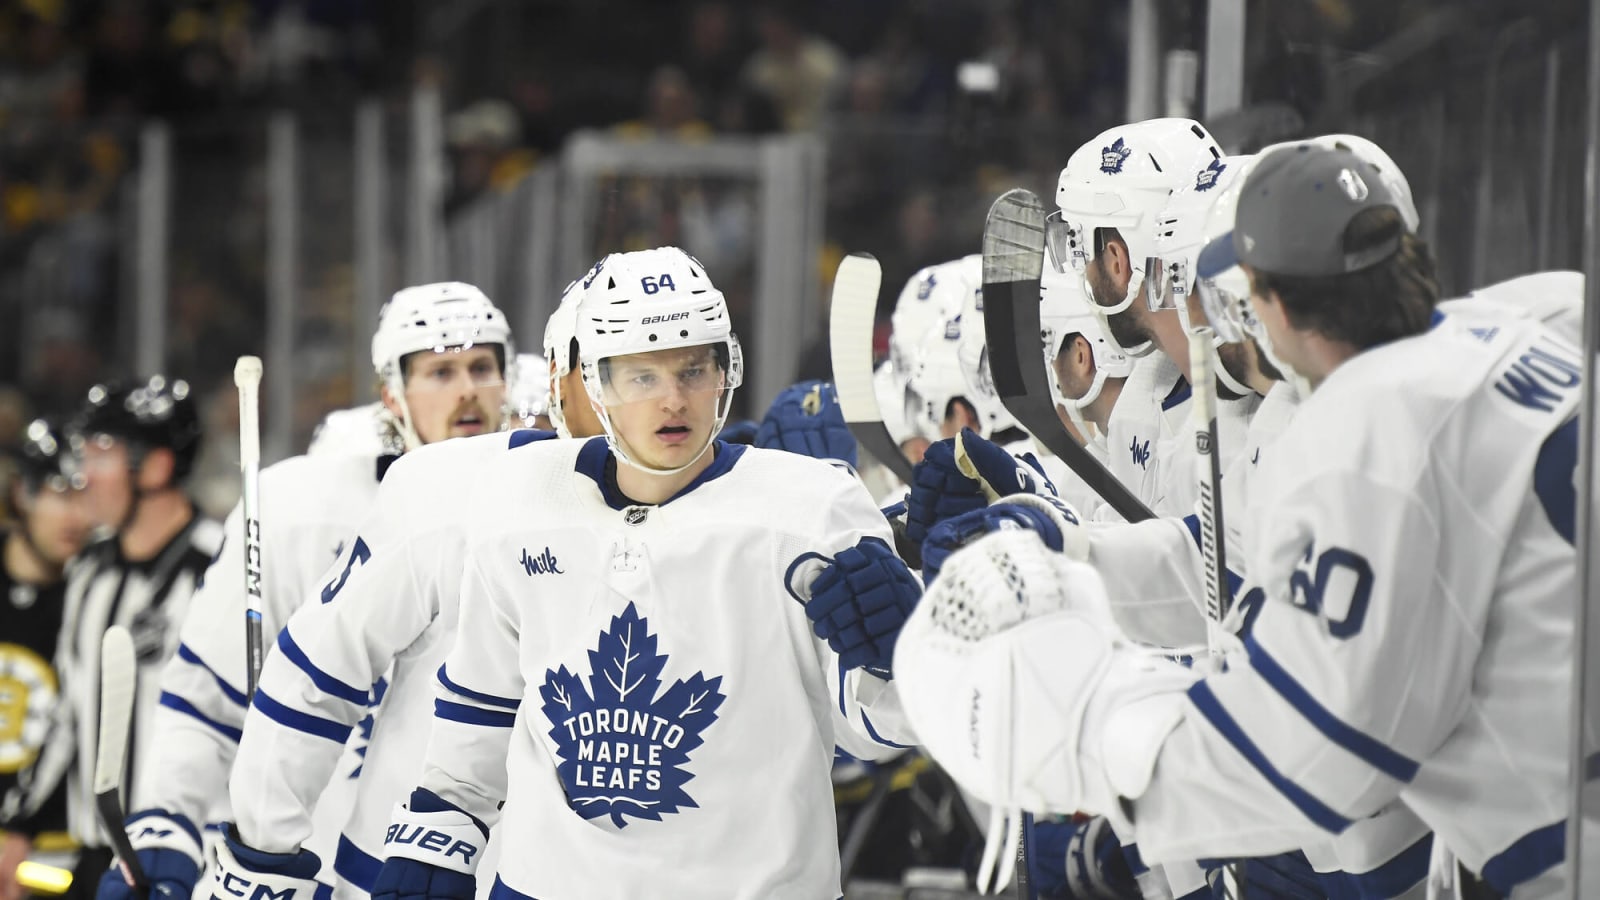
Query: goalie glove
{"points": [[859, 602], [1056, 523], [1019, 685], [169, 850], [243, 871], [433, 848]]}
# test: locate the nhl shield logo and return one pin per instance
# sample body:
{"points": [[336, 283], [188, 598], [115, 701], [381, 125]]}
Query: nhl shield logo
{"points": [[1112, 157], [1207, 177], [622, 742], [636, 515]]}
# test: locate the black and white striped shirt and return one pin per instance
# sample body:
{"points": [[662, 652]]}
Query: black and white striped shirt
{"points": [[149, 597]]}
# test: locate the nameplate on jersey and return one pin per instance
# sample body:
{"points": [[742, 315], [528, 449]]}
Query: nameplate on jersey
{"points": [[623, 742], [1542, 377]]}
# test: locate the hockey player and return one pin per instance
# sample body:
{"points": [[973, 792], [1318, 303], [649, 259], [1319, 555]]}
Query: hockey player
{"points": [[439, 353], [48, 530], [133, 444], [1366, 543], [686, 663]]}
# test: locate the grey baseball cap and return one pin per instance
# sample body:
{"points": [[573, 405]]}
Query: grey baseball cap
{"points": [[1295, 206]]}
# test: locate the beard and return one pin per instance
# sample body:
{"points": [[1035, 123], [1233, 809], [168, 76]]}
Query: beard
{"points": [[1235, 359], [1125, 329]]}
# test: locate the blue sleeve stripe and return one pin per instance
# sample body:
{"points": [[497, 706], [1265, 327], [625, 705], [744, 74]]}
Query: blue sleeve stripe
{"points": [[178, 704], [355, 866], [1531, 856], [325, 683], [875, 736], [841, 692], [1370, 750], [1130, 855], [472, 715], [489, 699], [228, 690], [1405, 871], [1312, 808], [316, 726]]}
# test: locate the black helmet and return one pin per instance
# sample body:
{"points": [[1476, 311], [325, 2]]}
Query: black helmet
{"points": [[43, 458], [154, 413]]}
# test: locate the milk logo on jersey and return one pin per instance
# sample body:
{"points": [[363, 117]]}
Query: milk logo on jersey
{"points": [[1112, 157], [1207, 177], [621, 741], [543, 564], [1140, 452]]}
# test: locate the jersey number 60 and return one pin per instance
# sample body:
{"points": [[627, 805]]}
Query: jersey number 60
{"points": [[1308, 585]]}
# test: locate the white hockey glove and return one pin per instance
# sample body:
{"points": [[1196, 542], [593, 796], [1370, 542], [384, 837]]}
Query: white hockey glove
{"points": [[1018, 683]]}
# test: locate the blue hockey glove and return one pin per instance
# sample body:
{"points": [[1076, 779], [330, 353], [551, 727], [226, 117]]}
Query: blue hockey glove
{"points": [[997, 472], [1284, 876], [939, 491], [1079, 861], [243, 871], [169, 850], [859, 603], [1056, 523], [806, 419], [433, 850], [742, 431]]}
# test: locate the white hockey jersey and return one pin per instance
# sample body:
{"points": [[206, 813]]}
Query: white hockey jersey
{"points": [[389, 599], [309, 509], [1413, 532], [642, 688]]}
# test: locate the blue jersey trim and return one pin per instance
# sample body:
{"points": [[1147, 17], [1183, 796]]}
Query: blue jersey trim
{"points": [[316, 726], [490, 699], [1179, 393], [178, 704], [1369, 749], [1553, 481], [525, 436], [1312, 808], [1404, 871], [228, 690], [1531, 856], [325, 683], [472, 715], [1136, 864], [593, 455], [499, 891], [322, 891], [1192, 522], [841, 691], [355, 865], [875, 736]]}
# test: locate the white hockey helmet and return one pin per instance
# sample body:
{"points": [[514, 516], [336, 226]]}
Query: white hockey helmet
{"points": [[435, 317], [360, 431], [529, 396], [935, 378], [649, 300], [1370, 153], [1121, 180], [972, 351], [928, 297], [889, 386], [1064, 310], [560, 330]]}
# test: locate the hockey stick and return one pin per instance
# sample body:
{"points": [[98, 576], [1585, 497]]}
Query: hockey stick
{"points": [[119, 676], [1208, 472], [851, 318], [247, 378], [1013, 257]]}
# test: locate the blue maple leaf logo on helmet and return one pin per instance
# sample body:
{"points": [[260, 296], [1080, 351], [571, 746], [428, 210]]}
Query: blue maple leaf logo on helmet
{"points": [[1112, 157], [622, 747], [1207, 177]]}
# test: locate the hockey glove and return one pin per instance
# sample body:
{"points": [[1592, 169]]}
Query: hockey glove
{"points": [[169, 850], [859, 603], [433, 848], [1080, 861], [939, 491], [1056, 523], [1284, 876], [806, 419], [243, 871], [998, 472]]}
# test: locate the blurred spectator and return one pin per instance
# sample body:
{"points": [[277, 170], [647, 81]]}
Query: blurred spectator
{"points": [[671, 110], [713, 53], [483, 145], [798, 70]]}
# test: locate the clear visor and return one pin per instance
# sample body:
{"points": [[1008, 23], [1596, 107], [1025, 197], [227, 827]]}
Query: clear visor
{"points": [[1228, 313], [1066, 244], [449, 368], [1166, 283], [661, 376]]}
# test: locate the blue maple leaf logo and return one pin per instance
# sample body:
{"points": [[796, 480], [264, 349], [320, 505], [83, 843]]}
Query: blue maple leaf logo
{"points": [[622, 748], [1207, 177], [1112, 157]]}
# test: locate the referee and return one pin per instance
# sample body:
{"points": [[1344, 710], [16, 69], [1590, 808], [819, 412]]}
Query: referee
{"points": [[133, 445]]}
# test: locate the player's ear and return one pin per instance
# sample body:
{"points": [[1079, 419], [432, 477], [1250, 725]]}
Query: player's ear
{"points": [[389, 401], [155, 471]]}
